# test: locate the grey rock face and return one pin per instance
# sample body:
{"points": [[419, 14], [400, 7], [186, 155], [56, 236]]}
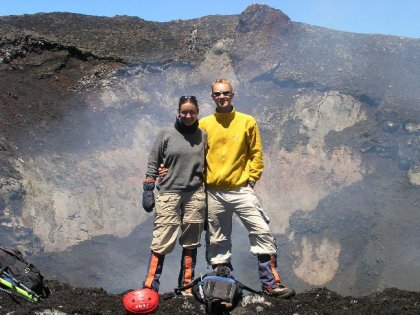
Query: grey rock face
{"points": [[339, 116]]}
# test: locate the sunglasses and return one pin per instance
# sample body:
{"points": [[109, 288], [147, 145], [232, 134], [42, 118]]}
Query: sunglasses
{"points": [[225, 93], [184, 99]]}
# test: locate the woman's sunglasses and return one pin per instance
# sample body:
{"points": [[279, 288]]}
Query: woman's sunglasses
{"points": [[184, 99]]}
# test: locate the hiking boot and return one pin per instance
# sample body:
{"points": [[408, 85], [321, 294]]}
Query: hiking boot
{"points": [[184, 292], [281, 292], [187, 292], [226, 304]]}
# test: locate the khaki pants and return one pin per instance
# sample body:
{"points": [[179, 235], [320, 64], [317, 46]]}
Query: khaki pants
{"points": [[221, 206], [175, 211]]}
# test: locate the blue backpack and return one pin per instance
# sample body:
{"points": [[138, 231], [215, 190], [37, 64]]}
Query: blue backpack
{"points": [[217, 290]]}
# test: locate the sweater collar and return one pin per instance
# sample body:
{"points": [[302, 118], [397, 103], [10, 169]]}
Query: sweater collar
{"points": [[226, 115], [182, 128]]}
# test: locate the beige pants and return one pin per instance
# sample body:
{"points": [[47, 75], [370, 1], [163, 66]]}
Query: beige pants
{"points": [[175, 211], [221, 206]]}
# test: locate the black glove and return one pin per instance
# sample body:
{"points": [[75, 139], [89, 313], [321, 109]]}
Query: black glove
{"points": [[148, 195], [148, 200]]}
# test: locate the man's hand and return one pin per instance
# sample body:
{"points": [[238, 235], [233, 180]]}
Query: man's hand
{"points": [[148, 201], [251, 184], [162, 171]]}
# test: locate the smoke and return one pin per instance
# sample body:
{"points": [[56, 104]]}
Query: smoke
{"points": [[341, 154], [83, 190], [94, 194]]}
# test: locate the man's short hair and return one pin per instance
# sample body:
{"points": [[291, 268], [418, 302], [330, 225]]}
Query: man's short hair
{"points": [[224, 81]]}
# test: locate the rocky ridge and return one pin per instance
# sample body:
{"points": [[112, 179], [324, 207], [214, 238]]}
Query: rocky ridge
{"points": [[66, 299]]}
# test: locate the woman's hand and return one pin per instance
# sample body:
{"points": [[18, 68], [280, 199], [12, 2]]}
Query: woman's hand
{"points": [[162, 171]]}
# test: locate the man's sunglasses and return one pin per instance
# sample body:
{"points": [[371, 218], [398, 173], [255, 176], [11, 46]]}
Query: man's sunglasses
{"points": [[191, 98], [225, 93]]}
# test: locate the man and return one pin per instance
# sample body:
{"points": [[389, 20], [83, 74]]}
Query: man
{"points": [[234, 165]]}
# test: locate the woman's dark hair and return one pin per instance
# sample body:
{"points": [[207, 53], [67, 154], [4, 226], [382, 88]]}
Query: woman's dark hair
{"points": [[185, 99]]}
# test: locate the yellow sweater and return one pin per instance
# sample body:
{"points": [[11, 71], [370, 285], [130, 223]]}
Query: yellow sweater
{"points": [[234, 152]]}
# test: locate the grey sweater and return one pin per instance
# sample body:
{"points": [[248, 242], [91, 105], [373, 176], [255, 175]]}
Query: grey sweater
{"points": [[183, 154]]}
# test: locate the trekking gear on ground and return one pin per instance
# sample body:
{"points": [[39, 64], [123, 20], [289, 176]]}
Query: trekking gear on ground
{"points": [[148, 201], [20, 278], [10, 286], [218, 290], [229, 265], [141, 301]]}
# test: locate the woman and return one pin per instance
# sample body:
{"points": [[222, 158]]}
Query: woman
{"points": [[180, 203]]}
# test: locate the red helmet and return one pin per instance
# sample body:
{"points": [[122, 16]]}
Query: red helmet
{"points": [[141, 301]]}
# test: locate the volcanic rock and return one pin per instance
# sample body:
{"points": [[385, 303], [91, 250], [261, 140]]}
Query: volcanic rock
{"points": [[82, 98]]}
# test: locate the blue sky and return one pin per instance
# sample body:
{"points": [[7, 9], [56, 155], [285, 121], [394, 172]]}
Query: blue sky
{"points": [[391, 17]]}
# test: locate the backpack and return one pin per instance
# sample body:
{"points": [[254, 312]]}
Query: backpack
{"points": [[19, 277], [217, 290]]}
